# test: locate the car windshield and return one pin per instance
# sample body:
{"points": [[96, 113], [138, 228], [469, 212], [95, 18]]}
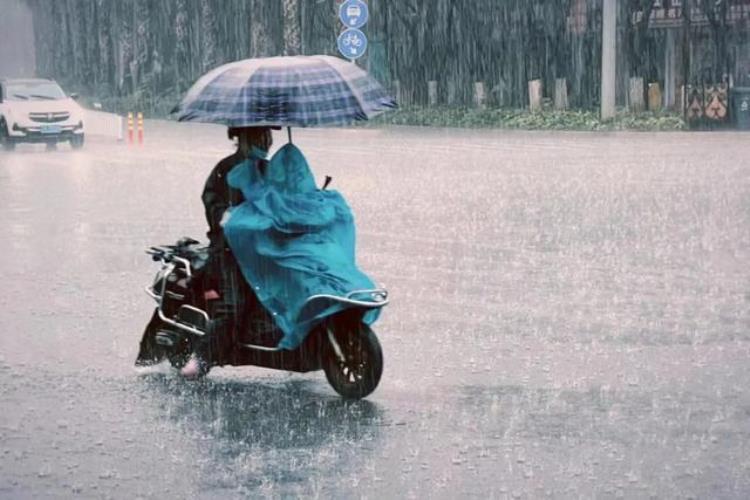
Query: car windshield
{"points": [[33, 91]]}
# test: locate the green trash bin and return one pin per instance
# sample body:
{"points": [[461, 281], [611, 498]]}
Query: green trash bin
{"points": [[741, 108]]}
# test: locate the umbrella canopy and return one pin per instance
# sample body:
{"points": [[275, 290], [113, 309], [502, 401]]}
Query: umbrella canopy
{"points": [[297, 91]]}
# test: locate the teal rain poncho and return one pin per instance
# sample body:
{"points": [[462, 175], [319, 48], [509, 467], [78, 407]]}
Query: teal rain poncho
{"points": [[292, 241]]}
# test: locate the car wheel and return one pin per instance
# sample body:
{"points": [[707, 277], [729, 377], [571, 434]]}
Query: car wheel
{"points": [[76, 142], [7, 142]]}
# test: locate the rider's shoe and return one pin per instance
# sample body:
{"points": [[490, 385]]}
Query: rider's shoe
{"points": [[194, 368]]}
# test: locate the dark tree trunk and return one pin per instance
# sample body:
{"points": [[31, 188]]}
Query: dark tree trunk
{"points": [[292, 28], [638, 15], [209, 49], [716, 12], [181, 66]]}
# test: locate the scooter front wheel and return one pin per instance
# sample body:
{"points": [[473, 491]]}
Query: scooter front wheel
{"points": [[355, 370]]}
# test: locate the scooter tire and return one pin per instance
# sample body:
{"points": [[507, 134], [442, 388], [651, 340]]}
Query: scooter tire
{"points": [[178, 355], [359, 374]]}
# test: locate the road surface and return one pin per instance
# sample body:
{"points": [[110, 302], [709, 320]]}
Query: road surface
{"points": [[570, 317]]}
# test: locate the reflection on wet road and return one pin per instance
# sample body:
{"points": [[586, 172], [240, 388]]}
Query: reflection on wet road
{"points": [[570, 318]]}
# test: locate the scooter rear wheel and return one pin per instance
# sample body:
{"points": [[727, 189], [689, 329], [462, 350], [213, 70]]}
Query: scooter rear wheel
{"points": [[179, 353], [358, 373]]}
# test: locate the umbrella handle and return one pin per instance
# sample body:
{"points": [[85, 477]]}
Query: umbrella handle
{"points": [[289, 132]]}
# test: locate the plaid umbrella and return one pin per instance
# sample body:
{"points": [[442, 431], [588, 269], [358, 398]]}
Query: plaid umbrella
{"points": [[298, 91]]}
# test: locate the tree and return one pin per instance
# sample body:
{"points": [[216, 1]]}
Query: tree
{"points": [[181, 66], [292, 28], [716, 12], [104, 53], [638, 14], [209, 49]]}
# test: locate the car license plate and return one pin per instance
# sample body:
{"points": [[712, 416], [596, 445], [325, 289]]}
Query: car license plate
{"points": [[51, 129]]}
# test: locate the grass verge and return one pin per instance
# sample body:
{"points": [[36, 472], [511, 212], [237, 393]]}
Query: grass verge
{"points": [[498, 118], [525, 120]]}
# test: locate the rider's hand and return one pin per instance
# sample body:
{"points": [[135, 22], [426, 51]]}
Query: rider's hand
{"points": [[211, 295]]}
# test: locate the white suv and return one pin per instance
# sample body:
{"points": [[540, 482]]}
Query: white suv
{"points": [[37, 110]]}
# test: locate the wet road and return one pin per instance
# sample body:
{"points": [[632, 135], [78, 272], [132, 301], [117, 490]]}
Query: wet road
{"points": [[570, 318]]}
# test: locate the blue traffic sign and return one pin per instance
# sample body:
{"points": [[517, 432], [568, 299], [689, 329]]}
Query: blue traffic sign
{"points": [[352, 43], [354, 13]]}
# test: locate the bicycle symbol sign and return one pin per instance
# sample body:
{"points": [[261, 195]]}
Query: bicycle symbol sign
{"points": [[353, 13], [352, 43]]}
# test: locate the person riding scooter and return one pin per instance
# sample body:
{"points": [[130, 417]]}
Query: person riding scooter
{"points": [[227, 294]]}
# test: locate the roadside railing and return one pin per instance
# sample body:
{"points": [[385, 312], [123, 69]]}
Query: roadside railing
{"points": [[103, 124]]}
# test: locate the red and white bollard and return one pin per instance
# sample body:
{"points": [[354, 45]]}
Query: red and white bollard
{"points": [[130, 128], [140, 128]]}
